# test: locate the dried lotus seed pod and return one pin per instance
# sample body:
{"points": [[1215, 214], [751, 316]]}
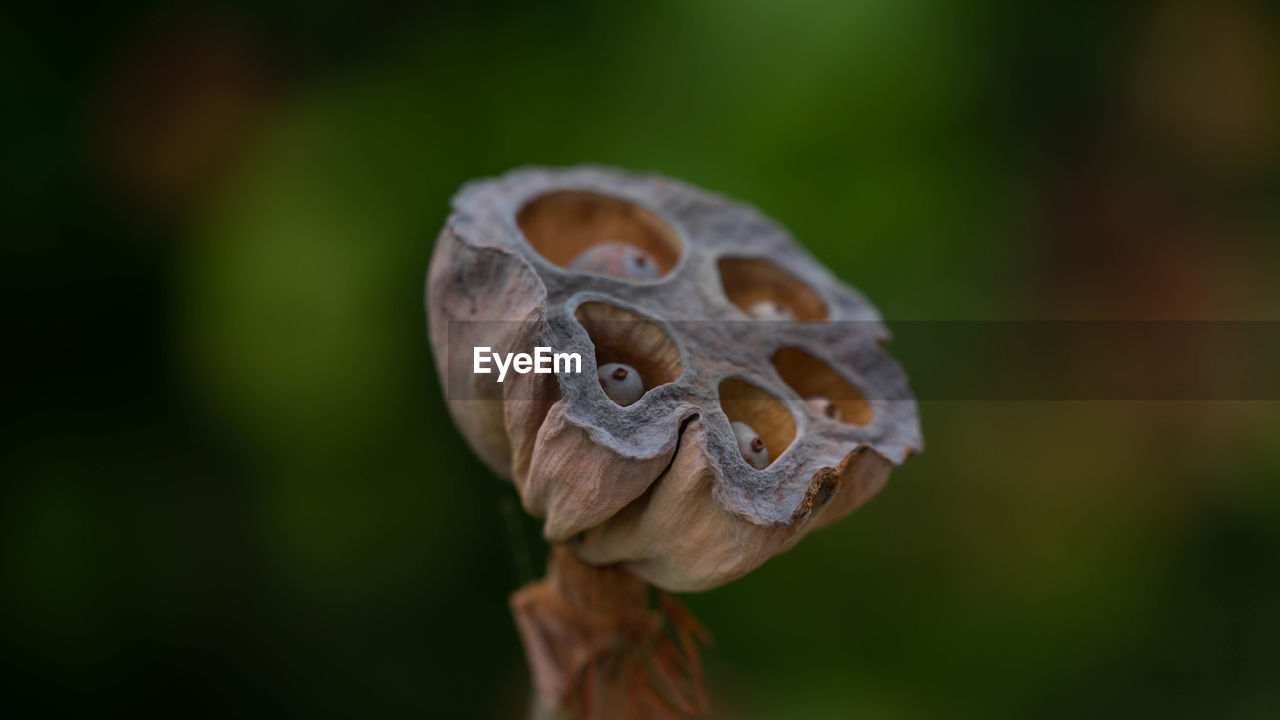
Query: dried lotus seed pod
{"points": [[618, 260], [657, 491], [621, 382], [750, 445]]}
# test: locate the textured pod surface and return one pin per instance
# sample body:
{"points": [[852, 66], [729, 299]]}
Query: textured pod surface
{"points": [[661, 484]]}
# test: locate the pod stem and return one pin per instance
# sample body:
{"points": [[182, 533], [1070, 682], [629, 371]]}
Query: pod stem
{"points": [[601, 643]]}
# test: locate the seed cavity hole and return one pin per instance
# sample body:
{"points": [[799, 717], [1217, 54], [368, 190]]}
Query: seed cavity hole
{"points": [[825, 391], [594, 233], [765, 291], [628, 344], [745, 403]]}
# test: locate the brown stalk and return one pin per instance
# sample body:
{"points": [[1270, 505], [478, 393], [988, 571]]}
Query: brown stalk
{"points": [[598, 645]]}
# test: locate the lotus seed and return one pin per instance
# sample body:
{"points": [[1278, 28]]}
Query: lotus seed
{"points": [[770, 310], [617, 259], [825, 407], [751, 446], [621, 383]]}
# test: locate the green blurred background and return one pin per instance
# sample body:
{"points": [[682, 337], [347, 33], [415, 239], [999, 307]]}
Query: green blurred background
{"points": [[232, 488]]}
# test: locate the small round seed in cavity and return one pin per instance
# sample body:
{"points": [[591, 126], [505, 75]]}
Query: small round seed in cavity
{"points": [[617, 259], [750, 445], [621, 383], [824, 407], [770, 310]]}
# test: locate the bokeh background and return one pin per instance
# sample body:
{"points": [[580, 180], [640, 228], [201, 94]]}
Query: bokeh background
{"points": [[231, 485]]}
